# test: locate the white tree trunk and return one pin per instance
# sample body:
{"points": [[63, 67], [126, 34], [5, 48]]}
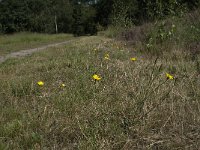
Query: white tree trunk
{"points": [[56, 25]]}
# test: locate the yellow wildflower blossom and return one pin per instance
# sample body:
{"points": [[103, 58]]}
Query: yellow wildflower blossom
{"points": [[96, 77], [169, 76], [133, 59], [107, 57], [40, 83], [63, 85]]}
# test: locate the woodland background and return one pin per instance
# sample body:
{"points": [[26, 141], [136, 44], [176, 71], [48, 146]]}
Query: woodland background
{"points": [[83, 17]]}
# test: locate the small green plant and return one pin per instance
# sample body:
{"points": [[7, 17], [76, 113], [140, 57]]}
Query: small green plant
{"points": [[160, 35], [12, 129]]}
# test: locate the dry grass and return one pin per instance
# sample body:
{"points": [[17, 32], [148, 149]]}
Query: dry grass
{"points": [[134, 106]]}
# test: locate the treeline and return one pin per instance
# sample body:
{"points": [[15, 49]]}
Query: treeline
{"points": [[82, 17]]}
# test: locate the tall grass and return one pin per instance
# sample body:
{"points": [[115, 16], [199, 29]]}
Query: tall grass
{"points": [[133, 106]]}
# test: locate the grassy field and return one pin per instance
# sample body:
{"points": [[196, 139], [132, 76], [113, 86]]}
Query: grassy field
{"points": [[133, 106], [141, 100], [21, 41]]}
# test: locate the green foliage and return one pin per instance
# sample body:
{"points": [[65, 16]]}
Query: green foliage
{"points": [[104, 11], [160, 9], [84, 20], [13, 15], [52, 16], [78, 28], [161, 33], [35, 15], [120, 10], [171, 34]]}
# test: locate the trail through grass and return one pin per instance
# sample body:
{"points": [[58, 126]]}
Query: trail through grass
{"points": [[22, 41], [27, 52]]}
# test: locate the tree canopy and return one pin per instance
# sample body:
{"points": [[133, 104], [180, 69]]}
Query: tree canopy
{"points": [[83, 16]]}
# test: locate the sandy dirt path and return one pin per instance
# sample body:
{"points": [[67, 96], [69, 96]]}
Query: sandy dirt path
{"points": [[30, 51]]}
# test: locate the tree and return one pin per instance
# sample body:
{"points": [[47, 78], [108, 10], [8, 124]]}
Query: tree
{"points": [[78, 28], [62, 11], [103, 12], [35, 15], [13, 15], [82, 16]]}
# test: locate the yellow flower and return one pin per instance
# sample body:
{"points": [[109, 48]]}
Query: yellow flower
{"points": [[96, 77], [63, 85], [40, 83], [169, 76], [133, 59], [107, 57]]}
